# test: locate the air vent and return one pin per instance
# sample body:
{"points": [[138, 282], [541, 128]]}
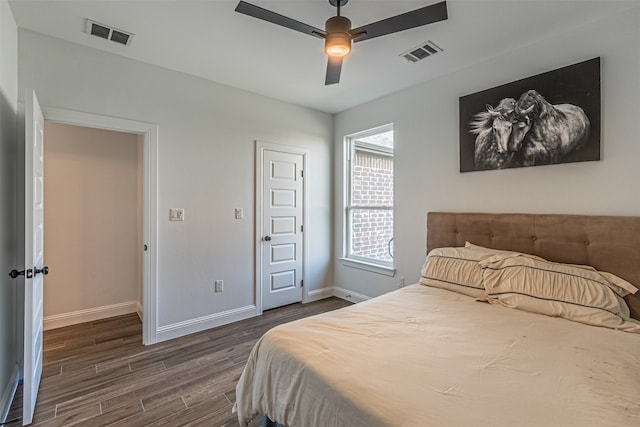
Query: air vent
{"points": [[108, 33], [420, 52], [120, 37], [100, 31]]}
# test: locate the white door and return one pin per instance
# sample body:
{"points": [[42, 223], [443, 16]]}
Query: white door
{"points": [[282, 228], [33, 256]]}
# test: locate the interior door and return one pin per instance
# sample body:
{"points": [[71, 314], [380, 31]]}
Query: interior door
{"points": [[282, 240], [33, 256]]}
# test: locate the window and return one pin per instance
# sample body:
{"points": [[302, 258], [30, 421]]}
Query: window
{"points": [[369, 197]]}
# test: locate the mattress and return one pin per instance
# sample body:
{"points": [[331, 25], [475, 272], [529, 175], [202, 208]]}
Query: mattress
{"points": [[422, 356]]}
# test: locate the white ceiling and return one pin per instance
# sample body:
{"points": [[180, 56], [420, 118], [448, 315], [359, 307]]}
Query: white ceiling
{"points": [[206, 38]]}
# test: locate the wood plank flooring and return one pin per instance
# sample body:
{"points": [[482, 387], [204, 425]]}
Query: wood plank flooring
{"points": [[99, 373]]}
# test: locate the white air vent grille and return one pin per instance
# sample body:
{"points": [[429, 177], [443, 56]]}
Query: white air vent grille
{"points": [[108, 33], [418, 53]]}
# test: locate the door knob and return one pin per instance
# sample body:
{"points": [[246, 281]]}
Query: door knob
{"points": [[44, 270], [15, 273], [267, 238], [28, 274]]}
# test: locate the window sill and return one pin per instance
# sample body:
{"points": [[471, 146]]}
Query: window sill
{"points": [[367, 266]]}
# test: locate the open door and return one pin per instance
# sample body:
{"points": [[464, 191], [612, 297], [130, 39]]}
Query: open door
{"points": [[33, 254]]}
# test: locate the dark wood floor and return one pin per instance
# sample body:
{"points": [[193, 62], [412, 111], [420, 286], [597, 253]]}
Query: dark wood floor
{"points": [[99, 373]]}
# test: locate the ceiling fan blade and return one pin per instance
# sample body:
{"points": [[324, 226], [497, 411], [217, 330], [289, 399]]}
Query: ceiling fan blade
{"points": [[275, 18], [334, 66], [416, 18]]}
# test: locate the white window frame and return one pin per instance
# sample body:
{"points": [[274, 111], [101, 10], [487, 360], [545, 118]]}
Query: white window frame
{"points": [[351, 144]]}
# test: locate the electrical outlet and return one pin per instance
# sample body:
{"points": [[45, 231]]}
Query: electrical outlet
{"points": [[219, 286], [401, 282], [239, 213]]}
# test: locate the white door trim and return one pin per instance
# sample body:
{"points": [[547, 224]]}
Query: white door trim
{"points": [[261, 146], [150, 200]]}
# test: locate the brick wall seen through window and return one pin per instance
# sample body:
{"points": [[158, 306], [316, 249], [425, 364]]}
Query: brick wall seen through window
{"points": [[372, 185], [370, 202]]}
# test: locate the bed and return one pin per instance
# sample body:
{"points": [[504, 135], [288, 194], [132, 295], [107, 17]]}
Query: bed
{"points": [[429, 356]]}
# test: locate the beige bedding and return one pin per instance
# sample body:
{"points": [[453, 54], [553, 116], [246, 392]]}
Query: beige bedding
{"points": [[423, 356]]}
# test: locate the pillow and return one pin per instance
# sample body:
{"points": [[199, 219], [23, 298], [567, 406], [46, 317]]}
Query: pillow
{"points": [[620, 286], [578, 293], [485, 252], [457, 269], [454, 269]]}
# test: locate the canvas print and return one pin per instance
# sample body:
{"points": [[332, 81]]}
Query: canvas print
{"points": [[545, 119]]}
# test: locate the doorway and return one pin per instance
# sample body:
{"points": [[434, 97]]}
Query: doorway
{"points": [[92, 224], [148, 134]]}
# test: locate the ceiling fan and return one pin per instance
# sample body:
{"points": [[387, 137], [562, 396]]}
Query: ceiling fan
{"points": [[338, 34]]}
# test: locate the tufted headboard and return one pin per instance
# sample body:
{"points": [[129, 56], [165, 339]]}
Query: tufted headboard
{"points": [[608, 243]]}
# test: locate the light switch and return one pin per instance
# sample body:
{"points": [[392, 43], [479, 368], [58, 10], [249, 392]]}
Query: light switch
{"points": [[239, 213], [176, 214]]}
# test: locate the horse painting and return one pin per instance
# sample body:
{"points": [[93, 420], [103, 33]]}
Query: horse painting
{"points": [[526, 128], [545, 133], [493, 129]]}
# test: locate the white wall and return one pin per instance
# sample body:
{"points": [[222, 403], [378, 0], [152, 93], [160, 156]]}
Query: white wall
{"points": [[8, 160], [91, 225], [206, 166], [426, 146]]}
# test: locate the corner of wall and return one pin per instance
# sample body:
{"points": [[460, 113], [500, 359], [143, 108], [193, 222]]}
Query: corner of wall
{"points": [[9, 392], [318, 294]]}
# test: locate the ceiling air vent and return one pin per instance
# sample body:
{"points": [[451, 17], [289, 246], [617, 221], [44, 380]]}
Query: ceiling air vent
{"points": [[420, 52], [108, 33]]}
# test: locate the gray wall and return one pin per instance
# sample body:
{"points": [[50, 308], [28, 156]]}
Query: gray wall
{"points": [[206, 166], [426, 169], [8, 160]]}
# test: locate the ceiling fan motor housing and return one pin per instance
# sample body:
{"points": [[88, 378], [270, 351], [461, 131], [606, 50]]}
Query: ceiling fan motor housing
{"points": [[338, 40]]}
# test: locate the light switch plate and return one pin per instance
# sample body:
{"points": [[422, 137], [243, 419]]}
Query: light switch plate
{"points": [[176, 214], [239, 213]]}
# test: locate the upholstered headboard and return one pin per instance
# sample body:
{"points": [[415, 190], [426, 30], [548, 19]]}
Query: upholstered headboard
{"points": [[608, 243]]}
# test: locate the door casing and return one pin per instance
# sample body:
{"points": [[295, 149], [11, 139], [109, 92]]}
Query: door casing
{"points": [[150, 197]]}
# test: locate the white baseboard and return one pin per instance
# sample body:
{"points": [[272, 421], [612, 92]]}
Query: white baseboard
{"points": [[191, 326], [8, 393], [318, 294], [89, 315], [348, 295], [139, 310]]}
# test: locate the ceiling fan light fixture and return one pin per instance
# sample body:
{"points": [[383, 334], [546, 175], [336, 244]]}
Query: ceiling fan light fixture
{"points": [[337, 44], [338, 40]]}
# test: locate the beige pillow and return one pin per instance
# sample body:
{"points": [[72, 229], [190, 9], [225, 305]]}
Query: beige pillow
{"points": [[620, 286], [457, 269], [578, 293], [485, 252]]}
